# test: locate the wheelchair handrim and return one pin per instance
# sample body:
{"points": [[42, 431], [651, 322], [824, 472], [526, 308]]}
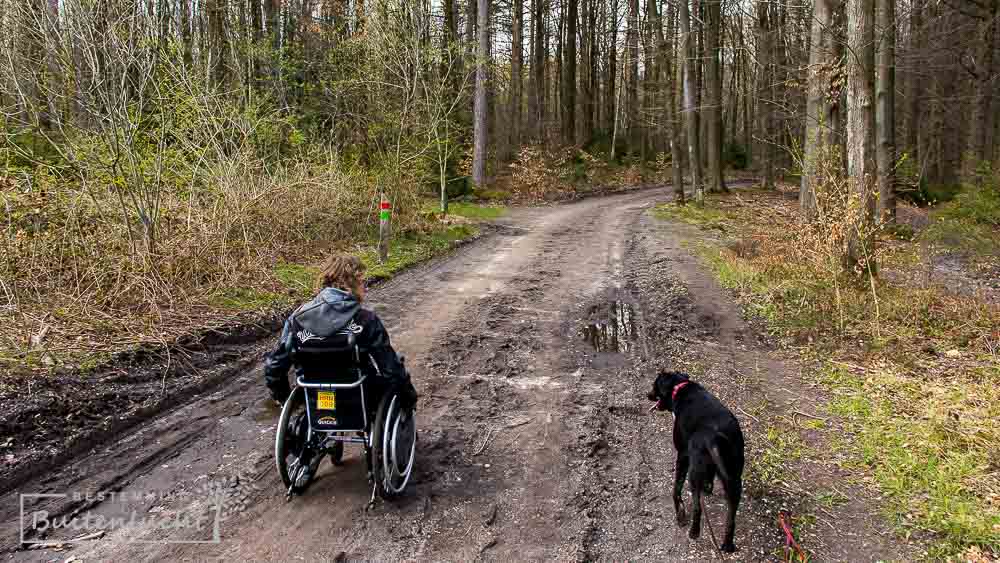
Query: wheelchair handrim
{"points": [[286, 414], [389, 466]]}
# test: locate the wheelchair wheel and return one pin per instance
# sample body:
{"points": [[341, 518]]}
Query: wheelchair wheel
{"points": [[297, 462], [394, 441]]}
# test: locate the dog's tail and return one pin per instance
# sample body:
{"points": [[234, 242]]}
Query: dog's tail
{"points": [[713, 450]]}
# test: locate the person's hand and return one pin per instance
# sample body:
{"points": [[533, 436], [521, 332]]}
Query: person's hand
{"points": [[407, 396], [280, 390]]}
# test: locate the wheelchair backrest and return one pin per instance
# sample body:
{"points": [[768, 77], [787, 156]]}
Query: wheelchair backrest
{"points": [[332, 360]]}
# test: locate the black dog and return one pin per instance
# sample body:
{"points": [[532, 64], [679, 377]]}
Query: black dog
{"points": [[708, 439]]}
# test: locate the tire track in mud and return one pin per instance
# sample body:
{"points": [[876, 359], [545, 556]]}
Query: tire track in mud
{"points": [[626, 494], [505, 386]]}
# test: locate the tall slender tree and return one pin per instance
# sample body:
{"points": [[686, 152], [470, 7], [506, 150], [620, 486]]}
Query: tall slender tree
{"points": [[885, 114], [634, 130], [480, 110], [516, 56], [766, 91], [569, 67], [822, 126], [611, 97], [688, 59], [861, 166], [713, 95], [915, 87]]}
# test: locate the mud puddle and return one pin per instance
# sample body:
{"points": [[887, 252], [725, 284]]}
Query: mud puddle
{"points": [[614, 331]]}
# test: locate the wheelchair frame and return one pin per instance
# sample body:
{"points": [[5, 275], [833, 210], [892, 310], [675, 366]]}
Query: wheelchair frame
{"points": [[380, 437]]}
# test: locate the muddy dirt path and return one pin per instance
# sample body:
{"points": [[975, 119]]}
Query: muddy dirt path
{"points": [[532, 349]]}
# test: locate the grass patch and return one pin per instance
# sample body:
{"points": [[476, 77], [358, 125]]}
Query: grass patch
{"points": [[701, 216], [970, 224], [299, 281], [921, 399], [934, 462], [492, 195], [411, 249], [830, 499], [782, 446], [298, 278], [474, 211]]}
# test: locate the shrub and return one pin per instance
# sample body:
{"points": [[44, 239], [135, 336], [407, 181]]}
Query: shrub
{"points": [[734, 155]]}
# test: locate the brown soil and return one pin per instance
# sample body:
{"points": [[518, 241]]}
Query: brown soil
{"points": [[533, 444]]}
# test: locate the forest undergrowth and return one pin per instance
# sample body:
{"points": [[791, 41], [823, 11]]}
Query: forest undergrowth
{"points": [[910, 360]]}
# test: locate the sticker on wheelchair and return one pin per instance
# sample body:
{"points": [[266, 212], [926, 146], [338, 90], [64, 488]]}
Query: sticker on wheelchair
{"points": [[326, 401]]}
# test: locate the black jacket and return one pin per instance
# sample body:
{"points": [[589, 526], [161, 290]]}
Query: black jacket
{"points": [[330, 313]]}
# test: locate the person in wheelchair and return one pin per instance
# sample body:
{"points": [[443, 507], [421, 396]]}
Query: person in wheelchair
{"points": [[325, 319], [333, 334]]}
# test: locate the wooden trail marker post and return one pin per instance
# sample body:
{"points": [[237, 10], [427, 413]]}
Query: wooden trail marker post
{"points": [[384, 214]]}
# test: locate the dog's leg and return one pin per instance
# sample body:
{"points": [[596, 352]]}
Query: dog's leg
{"points": [[709, 486], [680, 475], [734, 490], [697, 486]]}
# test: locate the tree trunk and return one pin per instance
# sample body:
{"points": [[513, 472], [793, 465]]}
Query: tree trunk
{"points": [[687, 56], [538, 67], [586, 129], [885, 117], [861, 167], [765, 100], [186, 45], [982, 118], [569, 80], [915, 87], [470, 24], [634, 131], [516, 55], [713, 91], [219, 41], [822, 113], [670, 70], [593, 101], [611, 30], [480, 110]]}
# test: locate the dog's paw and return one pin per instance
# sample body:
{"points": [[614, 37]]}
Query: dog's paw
{"points": [[682, 517], [728, 547], [694, 533]]}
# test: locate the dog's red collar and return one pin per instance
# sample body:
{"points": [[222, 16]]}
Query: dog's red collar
{"points": [[677, 389]]}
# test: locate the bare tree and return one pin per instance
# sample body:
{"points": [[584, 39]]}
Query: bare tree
{"points": [[569, 78], [861, 166], [822, 126], [982, 118], [516, 56], [766, 90], [885, 114], [688, 59], [670, 72], [480, 110], [713, 91], [632, 103]]}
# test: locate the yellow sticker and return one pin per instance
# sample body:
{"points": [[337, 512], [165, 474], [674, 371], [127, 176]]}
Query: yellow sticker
{"points": [[326, 400]]}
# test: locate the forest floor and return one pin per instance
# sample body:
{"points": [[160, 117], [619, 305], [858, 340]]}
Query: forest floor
{"points": [[535, 440]]}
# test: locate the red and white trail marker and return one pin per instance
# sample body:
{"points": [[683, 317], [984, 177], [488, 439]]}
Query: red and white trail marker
{"points": [[384, 214]]}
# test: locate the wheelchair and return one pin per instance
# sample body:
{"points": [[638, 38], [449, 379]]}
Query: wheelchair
{"points": [[333, 403]]}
